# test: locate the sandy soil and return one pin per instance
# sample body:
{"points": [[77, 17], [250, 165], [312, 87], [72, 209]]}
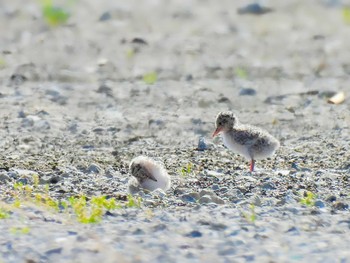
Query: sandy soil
{"points": [[76, 110]]}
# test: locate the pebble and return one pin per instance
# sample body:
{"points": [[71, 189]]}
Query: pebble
{"points": [[268, 186], [159, 193], [247, 92], [94, 168], [194, 234], [331, 198], [319, 204], [202, 146], [205, 199], [4, 178], [188, 198], [206, 192], [253, 9], [217, 200], [215, 187], [340, 206]]}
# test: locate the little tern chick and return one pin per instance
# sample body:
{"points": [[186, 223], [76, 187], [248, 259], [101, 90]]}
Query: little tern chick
{"points": [[149, 174], [251, 142]]}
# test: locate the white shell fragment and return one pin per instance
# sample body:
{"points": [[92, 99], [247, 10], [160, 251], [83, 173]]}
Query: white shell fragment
{"points": [[337, 98]]}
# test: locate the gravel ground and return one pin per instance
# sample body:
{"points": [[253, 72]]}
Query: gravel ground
{"points": [[76, 110]]}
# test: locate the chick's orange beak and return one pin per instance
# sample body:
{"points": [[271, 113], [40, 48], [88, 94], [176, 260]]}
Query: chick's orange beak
{"points": [[217, 131]]}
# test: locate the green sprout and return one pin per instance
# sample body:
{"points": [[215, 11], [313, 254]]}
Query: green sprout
{"points": [[346, 15], [241, 73], [186, 170], [134, 202], [150, 78], [308, 199], [20, 230], [53, 15], [250, 217], [4, 213], [92, 211]]}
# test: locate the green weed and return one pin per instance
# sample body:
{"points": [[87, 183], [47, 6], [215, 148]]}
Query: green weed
{"points": [[134, 202], [346, 15], [150, 78], [4, 213], [250, 217], [53, 15], [185, 171], [308, 199], [241, 73]]}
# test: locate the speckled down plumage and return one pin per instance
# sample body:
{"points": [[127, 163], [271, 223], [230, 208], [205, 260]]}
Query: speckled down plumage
{"points": [[250, 141], [148, 174]]}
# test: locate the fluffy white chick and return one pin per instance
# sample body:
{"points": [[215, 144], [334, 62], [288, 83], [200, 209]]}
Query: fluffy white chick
{"points": [[148, 174]]}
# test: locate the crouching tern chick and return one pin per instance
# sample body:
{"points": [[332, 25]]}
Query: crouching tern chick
{"points": [[148, 174], [249, 141]]}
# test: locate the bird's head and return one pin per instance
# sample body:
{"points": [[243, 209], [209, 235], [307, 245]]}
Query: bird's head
{"points": [[225, 121]]}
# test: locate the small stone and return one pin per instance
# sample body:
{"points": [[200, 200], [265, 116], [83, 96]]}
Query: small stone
{"points": [[319, 204], [179, 191], [217, 200], [331, 198], [54, 180], [188, 199], [42, 125], [293, 230], [247, 92], [195, 195], [105, 16], [159, 193], [194, 234], [256, 201], [94, 168], [54, 251], [268, 186], [340, 206], [254, 9], [215, 187], [227, 252], [206, 192], [205, 199], [23, 181], [201, 144], [138, 232], [4, 178]]}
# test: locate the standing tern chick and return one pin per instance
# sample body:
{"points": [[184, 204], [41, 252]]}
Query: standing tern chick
{"points": [[148, 174], [251, 142]]}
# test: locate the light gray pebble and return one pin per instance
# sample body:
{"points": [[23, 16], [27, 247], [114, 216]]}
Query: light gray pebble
{"points": [[159, 193], [94, 168], [206, 192], [217, 200], [205, 199], [268, 186], [256, 201], [195, 195], [4, 177]]}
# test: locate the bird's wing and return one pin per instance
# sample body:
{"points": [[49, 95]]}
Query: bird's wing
{"points": [[246, 137], [146, 174]]}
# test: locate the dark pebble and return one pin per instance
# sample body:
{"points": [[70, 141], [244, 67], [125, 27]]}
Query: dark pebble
{"points": [[194, 234], [247, 92], [54, 251], [340, 206], [254, 9]]}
